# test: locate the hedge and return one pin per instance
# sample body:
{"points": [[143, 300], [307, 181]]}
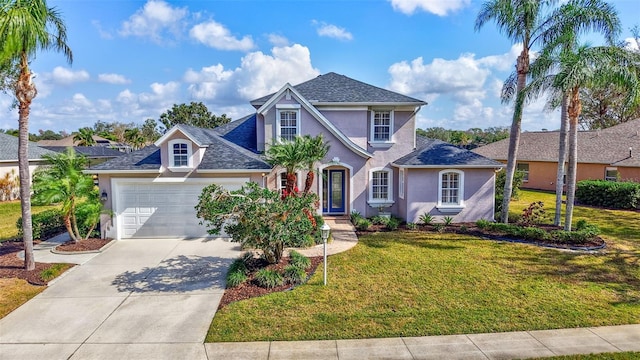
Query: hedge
{"points": [[609, 194], [45, 224]]}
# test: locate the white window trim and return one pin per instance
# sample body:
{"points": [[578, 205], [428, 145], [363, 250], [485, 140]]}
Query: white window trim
{"points": [[610, 168], [386, 143], [189, 156], [451, 208], [378, 202], [278, 183], [287, 107], [401, 185]]}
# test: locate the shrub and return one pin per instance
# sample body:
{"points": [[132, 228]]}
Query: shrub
{"points": [[268, 278], [426, 219], [439, 227], [514, 218], [392, 223], [294, 275], [412, 226], [501, 177], [483, 223], [354, 216], [533, 233], [610, 194], [464, 228], [448, 220], [235, 278], [298, 260], [532, 214], [363, 224], [379, 220], [45, 224]]}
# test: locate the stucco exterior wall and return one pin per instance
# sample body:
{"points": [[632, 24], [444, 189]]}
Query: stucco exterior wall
{"points": [[196, 152], [421, 191]]}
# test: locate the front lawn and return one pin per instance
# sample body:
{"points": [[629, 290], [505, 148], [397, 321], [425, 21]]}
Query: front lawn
{"points": [[10, 212], [15, 292]]}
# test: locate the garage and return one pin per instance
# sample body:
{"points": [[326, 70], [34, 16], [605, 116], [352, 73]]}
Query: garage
{"points": [[152, 209]]}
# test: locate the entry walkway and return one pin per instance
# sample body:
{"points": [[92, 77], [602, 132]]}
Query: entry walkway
{"points": [[343, 238]]}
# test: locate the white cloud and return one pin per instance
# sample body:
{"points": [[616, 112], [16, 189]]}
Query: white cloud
{"points": [[64, 76], [632, 44], [217, 36], [332, 31], [259, 74], [503, 62], [437, 7], [115, 79], [81, 100], [154, 20], [278, 40], [102, 32]]}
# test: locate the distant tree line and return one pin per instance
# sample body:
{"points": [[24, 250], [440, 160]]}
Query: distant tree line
{"points": [[468, 139]]}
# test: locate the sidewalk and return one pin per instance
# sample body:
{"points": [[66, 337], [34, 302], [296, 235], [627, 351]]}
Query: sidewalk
{"points": [[42, 252], [513, 345], [342, 234]]}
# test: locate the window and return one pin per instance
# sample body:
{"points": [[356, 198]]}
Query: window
{"points": [[380, 187], [381, 126], [525, 169], [611, 174], [180, 154], [451, 191], [282, 182], [288, 121], [401, 184]]}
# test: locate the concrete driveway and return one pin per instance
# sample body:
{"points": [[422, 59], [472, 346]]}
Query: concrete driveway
{"points": [[138, 299]]}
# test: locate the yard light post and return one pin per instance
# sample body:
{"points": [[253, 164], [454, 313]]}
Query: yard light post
{"points": [[325, 230]]}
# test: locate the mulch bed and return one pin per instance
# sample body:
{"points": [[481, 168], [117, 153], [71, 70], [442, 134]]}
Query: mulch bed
{"points": [[11, 266], [250, 289], [83, 245]]}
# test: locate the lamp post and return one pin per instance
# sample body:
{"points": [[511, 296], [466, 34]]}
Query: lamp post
{"points": [[325, 230]]}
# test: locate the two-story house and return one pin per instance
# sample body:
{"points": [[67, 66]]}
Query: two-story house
{"points": [[375, 162]]}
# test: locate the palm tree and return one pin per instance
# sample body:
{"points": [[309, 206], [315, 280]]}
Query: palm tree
{"points": [[134, 138], [521, 21], [64, 182], [27, 26], [315, 150], [291, 156], [84, 137], [565, 70]]}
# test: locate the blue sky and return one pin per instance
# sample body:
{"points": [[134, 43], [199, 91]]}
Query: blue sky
{"points": [[134, 59]]}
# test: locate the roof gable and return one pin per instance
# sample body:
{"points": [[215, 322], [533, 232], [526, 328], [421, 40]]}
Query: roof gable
{"points": [[191, 132]]}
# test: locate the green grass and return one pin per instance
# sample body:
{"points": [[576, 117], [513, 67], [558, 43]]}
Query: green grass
{"points": [[10, 212], [630, 355], [418, 284], [15, 292]]}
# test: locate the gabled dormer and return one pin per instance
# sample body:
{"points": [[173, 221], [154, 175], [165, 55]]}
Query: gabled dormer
{"points": [[180, 150]]}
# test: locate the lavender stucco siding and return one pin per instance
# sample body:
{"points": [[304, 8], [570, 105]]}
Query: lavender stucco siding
{"points": [[421, 194]]}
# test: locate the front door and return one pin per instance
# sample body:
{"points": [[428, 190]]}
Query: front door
{"points": [[333, 199]]}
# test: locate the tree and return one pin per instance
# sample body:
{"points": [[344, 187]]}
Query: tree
{"points": [[134, 138], [521, 21], [291, 156], [258, 218], [64, 182], [84, 137], [195, 114], [564, 68], [149, 131], [315, 149], [27, 26]]}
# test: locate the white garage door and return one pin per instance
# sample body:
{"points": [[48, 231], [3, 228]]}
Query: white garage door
{"points": [[162, 210]]}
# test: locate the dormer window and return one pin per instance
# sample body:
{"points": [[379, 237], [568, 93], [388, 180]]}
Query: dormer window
{"points": [[287, 121], [381, 128], [180, 154]]}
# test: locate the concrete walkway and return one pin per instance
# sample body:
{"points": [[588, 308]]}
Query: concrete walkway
{"points": [[42, 252], [343, 238]]}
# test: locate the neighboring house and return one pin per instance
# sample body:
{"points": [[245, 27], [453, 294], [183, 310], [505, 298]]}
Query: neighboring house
{"points": [[99, 142], [9, 162], [608, 154], [375, 163], [94, 154]]}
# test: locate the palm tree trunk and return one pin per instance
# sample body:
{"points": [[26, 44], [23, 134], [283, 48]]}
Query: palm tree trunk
{"points": [[309, 181], [574, 112], [25, 92], [514, 135], [562, 158]]}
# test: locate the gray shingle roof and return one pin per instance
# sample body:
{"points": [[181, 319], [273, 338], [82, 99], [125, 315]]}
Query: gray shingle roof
{"points": [[9, 149], [608, 146], [89, 151], [437, 153], [336, 88], [241, 132], [220, 154]]}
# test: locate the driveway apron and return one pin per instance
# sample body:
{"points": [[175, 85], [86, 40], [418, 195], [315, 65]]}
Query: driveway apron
{"points": [[143, 298]]}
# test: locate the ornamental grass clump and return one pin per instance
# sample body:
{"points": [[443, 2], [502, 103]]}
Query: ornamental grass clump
{"points": [[268, 278]]}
